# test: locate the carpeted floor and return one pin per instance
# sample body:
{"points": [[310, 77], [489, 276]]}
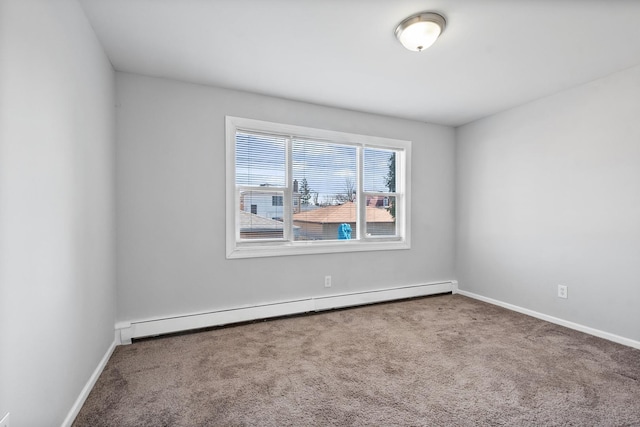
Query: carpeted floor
{"points": [[438, 361]]}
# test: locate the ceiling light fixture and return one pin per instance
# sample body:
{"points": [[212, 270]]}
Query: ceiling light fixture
{"points": [[420, 31]]}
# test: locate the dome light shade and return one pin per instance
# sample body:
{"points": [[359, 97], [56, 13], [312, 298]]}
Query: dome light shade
{"points": [[420, 31]]}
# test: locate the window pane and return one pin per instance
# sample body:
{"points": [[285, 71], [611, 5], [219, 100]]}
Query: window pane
{"points": [[259, 219], [324, 172], [325, 179], [379, 170], [260, 160], [381, 211]]}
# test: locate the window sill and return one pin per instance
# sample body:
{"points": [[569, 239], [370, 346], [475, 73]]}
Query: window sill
{"points": [[300, 248]]}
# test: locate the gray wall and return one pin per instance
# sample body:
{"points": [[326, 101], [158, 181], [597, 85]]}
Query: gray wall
{"points": [[57, 291], [549, 193], [171, 207]]}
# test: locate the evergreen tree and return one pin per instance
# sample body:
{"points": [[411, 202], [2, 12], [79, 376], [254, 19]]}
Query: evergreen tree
{"points": [[390, 182], [305, 192]]}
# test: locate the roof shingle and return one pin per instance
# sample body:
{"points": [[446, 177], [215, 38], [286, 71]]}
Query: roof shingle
{"points": [[341, 214]]}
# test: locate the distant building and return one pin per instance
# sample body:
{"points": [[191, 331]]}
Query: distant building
{"points": [[323, 223], [378, 201], [267, 204]]}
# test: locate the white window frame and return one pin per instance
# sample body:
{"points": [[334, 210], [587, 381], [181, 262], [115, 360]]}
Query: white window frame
{"points": [[238, 248]]}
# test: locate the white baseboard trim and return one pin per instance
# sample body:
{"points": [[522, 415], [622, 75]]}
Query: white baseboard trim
{"points": [[571, 325], [125, 331], [73, 413]]}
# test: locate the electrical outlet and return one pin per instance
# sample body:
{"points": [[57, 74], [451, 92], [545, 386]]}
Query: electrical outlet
{"points": [[4, 422], [327, 284], [562, 291]]}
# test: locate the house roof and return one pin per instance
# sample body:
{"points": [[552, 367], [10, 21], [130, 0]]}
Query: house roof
{"points": [[341, 214], [253, 222]]}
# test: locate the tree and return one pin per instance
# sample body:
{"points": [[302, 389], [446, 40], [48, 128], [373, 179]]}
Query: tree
{"points": [[390, 182], [305, 192], [349, 194]]}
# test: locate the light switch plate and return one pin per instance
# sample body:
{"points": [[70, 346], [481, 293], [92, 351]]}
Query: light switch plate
{"points": [[5, 421]]}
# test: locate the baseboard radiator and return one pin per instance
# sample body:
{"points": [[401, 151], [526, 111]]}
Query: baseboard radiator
{"points": [[126, 331]]}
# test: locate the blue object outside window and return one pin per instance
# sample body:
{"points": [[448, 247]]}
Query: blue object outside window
{"points": [[344, 231]]}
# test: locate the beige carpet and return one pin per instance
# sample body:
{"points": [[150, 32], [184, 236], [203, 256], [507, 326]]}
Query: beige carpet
{"points": [[439, 361]]}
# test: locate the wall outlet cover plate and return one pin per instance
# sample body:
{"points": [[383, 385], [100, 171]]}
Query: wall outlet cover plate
{"points": [[562, 291]]}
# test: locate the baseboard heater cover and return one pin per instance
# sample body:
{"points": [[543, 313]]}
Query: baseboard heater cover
{"points": [[126, 331]]}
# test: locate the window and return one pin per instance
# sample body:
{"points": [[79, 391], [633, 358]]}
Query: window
{"points": [[294, 190]]}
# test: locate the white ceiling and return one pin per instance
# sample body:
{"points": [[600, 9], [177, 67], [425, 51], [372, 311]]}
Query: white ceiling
{"points": [[493, 55]]}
